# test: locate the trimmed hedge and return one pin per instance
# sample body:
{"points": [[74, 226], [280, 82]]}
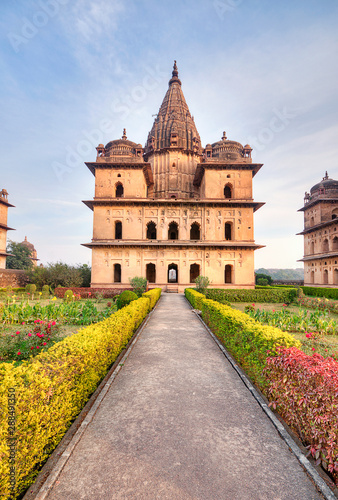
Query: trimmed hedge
{"points": [[195, 298], [328, 293], [256, 295], [153, 295], [247, 340], [51, 389], [304, 391]]}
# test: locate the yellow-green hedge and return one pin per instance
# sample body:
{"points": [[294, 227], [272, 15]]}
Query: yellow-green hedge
{"points": [[52, 388], [246, 339], [195, 298], [153, 295]]}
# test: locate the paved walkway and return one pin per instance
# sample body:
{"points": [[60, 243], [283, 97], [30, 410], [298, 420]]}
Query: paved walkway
{"points": [[178, 423]]}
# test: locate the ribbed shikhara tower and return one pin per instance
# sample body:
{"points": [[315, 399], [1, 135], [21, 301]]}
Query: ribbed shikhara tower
{"points": [[173, 210]]}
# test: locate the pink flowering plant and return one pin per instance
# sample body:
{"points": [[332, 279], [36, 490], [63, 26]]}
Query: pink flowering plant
{"points": [[17, 344]]}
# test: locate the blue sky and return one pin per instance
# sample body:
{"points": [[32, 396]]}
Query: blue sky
{"points": [[76, 72]]}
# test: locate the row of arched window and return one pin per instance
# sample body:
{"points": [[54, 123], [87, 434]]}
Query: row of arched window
{"points": [[194, 272], [334, 215], [173, 233], [325, 277], [119, 190], [325, 245]]}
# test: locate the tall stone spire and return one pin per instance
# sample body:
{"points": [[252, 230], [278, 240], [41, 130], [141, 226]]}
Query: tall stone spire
{"points": [[174, 127]]}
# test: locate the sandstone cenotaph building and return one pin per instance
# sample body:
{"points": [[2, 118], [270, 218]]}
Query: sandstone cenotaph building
{"points": [[4, 205], [321, 234], [172, 210]]}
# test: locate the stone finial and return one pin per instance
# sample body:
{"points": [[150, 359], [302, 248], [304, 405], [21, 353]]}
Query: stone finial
{"points": [[326, 176], [175, 70], [174, 77], [124, 137], [224, 138]]}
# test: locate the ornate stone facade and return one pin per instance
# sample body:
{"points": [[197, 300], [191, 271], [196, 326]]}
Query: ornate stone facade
{"points": [[173, 206], [4, 205], [321, 234]]}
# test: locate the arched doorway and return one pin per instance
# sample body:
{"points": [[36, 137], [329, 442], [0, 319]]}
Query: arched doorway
{"points": [[228, 191], [172, 273], [117, 273], [194, 272], [326, 277], [151, 231], [195, 233], [119, 190], [173, 231], [228, 274], [118, 230], [151, 272], [228, 231], [335, 277], [312, 277]]}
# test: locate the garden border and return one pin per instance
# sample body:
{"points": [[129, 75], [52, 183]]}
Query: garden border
{"points": [[40, 491], [321, 485]]}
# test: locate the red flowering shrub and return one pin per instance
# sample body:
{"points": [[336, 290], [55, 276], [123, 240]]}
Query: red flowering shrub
{"points": [[304, 391]]}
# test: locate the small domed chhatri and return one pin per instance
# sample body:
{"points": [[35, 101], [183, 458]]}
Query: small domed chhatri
{"points": [[326, 187], [173, 210], [31, 248], [321, 234], [121, 149]]}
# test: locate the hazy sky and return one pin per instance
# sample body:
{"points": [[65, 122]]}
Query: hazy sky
{"points": [[74, 73]]}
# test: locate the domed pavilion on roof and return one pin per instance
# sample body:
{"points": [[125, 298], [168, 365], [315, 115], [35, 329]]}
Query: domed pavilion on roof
{"points": [[321, 234], [173, 210]]}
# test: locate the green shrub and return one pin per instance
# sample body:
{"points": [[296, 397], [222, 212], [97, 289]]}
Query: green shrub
{"points": [[262, 281], [247, 340], [328, 293], [68, 296], [139, 285], [153, 295], [125, 298], [280, 295], [52, 388], [31, 288], [195, 298], [202, 283], [45, 291]]}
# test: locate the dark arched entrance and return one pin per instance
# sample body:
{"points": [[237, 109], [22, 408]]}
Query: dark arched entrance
{"points": [[117, 273], [172, 273], [194, 272], [151, 273]]}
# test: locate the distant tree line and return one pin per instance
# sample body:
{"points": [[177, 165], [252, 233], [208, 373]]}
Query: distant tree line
{"points": [[53, 275], [282, 274], [60, 274]]}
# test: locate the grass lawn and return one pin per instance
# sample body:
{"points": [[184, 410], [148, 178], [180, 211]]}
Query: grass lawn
{"points": [[23, 340], [326, 345]]}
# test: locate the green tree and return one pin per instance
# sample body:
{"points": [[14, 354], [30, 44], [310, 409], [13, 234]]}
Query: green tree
{"points": [[58, 274], [20, 257], [86, 273], [259, 276]]}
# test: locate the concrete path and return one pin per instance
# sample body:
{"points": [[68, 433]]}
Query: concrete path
{"points": [[178, 423]]}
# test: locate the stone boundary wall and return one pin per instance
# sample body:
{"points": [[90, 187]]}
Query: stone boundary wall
{"points": [[13, 277], [288, 282]]}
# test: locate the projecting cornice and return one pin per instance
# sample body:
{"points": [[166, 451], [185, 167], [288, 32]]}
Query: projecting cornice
{"points": [[328, 255], [169, 203], [231, 245], [312, 229], [332, 201]]}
